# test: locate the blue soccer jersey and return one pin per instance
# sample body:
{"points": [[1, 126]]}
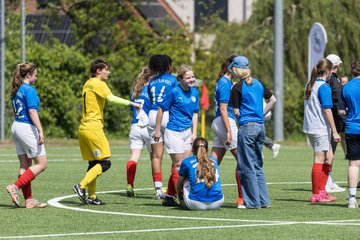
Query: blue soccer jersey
{"points": [[199, 191], [181, 106], [350, 102], [222, 95], [159, 89], [144, 100], [26, 98], [324, 95], [249, 100]]}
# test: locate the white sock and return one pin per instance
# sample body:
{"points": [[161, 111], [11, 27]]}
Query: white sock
{"points": [[352, 191], [158, 186], [330, 182]]}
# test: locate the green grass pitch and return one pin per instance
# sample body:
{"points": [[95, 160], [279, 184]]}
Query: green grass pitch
{"points": [[290, 217]]}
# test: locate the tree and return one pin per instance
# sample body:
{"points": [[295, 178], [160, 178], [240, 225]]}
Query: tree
{"points": [[254, 39]]}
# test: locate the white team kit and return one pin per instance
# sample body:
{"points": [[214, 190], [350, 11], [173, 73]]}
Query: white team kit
{"points": [[222, 95], [26, 139], [182, 105], [139, 135]]}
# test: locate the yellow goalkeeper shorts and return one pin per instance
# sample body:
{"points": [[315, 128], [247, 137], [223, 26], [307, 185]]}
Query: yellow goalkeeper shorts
{"points": [[93, 144]]}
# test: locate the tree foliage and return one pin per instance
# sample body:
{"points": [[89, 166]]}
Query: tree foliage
{"points": [[108, 29], [255, 39], [102, 29]]}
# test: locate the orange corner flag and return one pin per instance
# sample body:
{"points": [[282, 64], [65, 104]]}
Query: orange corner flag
{"points": [[204, 102]]}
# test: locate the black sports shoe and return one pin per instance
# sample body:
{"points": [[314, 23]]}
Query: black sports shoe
{"points": [[170, 201], [95, 201], [81, 192]]}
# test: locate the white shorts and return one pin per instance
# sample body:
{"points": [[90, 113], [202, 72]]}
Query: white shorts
{"points": [[152, 124], [196, 205], [139, 137], [320, 143], [220, 133], [177, 142], [26, 139]]}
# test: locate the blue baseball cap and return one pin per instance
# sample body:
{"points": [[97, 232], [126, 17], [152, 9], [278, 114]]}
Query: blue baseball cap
{"points": [[239, 62]]}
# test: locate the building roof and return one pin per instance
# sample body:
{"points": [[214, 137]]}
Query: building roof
{"points": [[156, 14]]}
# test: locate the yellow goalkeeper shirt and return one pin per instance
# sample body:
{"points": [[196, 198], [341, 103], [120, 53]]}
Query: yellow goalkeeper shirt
{"points": [[94, 94]]}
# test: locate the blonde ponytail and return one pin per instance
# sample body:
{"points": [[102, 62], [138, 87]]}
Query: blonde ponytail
{"points": [[243, 73], [139, 82], [206, 170]]}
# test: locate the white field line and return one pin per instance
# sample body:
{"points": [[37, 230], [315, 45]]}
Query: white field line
{"points": [[55, 202], [77, 159], [144, 230], [254, 223]]}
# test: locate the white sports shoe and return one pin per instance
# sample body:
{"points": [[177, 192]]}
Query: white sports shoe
{"points": [[334, 188], [275, 149], [352, 203], [159, 194]]}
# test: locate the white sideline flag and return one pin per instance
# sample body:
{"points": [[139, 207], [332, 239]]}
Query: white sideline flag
{"points": [[317, 45]]}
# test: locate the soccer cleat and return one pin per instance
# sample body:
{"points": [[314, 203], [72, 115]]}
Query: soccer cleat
{"points": [[33, 203], [334, 188], [130, 191], [95, 201], [170, 201], [325, 195], [81, 192], [159, 194], [318, 198], [241, 206], [275, 149], [352, 202], [13, 190]]}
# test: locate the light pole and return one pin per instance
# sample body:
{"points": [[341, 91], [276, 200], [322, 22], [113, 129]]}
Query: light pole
{"points": [[2, 70], [279, 71], [23, 31]]}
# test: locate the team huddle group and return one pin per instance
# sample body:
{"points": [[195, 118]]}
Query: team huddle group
{"points": [[165, 115]]}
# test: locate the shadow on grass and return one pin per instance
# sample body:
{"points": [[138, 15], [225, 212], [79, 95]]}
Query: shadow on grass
{"points": [[297, 189], [9, 206]]}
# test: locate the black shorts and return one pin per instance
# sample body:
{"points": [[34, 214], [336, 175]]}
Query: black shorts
{"points": [[352, 146], [339, 123]]}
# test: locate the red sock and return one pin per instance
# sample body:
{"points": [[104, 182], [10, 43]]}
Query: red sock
{"points": [[130, 172], [171, 189], [25, 179], [27, 191], [326, 170], [238, 183], [157, 177], [316, 177]]}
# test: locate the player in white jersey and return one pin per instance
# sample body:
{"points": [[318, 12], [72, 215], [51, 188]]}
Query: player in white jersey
{"points": [[319, 126]]}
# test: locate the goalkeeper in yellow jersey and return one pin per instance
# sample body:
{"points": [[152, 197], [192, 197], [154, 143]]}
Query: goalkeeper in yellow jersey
{"points": [[93, 143]]}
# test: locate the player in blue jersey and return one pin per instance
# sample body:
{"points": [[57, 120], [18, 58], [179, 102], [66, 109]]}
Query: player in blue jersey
{"points": [[247, 102], [139, 135], [27, 133], [199, 179], [159, 88], [183, 106], [319, 127], [224, 124], [349, 106]]}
